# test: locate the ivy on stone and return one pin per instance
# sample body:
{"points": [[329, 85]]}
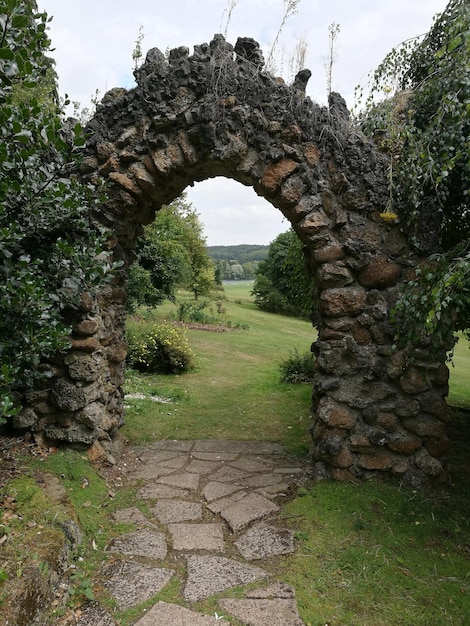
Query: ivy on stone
{"points": [[440, 291]]}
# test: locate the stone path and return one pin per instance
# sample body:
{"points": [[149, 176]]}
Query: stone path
{"points": [[214, 508]]}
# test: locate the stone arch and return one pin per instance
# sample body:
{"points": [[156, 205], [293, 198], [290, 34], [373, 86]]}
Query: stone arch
{"points": [[217, 113]]}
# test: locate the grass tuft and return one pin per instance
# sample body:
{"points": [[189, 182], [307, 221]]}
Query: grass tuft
{"points": [[375, 555]]}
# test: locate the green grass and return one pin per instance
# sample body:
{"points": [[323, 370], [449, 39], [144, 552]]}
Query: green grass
{"points": [[373, 555], [235, 391], [91, 499], [239, 290], [459, 394]]}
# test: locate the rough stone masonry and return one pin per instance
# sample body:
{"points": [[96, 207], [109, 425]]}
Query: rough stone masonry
{"points": [[218, 113]]}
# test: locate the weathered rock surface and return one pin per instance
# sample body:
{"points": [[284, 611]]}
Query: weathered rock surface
{"points": [[146, 543], [146, 581], [245, 510], [95, 615], [192, 537], [173, 511], [208, 575], [175, 615], [260, 612], [263, 541]]}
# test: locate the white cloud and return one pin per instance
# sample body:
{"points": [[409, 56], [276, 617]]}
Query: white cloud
{"points": [[232, 213]]}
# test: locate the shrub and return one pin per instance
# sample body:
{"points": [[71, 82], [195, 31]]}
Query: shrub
{"points": [[195, 312], [204, 313], [51, 250], [298, 368], [160, 348]]}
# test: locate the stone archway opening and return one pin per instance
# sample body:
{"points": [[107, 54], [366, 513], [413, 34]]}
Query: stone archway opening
{"points": [[216, 112], [234, 214]]}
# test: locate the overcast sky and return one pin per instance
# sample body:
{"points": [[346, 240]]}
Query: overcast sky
{"points": [[93, 41]]}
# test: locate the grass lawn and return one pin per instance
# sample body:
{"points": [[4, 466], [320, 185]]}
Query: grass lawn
{"points": [[459, 394], [235, 391], [375, 555]]}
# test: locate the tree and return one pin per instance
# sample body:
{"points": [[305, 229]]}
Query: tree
{"points": [[282, 283], [221, 271], [425, 128], [200, 278], [234, 269], [51, 251], [162, 259], [237, 272], [249, 269], [171, 253]]}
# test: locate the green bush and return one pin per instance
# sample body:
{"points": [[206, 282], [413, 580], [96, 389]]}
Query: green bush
{"points": [[196, 312], [160, 348], [298, 368], [205, 313], [51, 250]]}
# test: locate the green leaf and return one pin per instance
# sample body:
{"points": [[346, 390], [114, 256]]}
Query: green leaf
{"points": [[454, 43], [19, 21], [7, 54], [88, 592]]}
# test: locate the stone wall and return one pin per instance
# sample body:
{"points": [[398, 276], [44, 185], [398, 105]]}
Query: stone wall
{"points": [[217, 113]]}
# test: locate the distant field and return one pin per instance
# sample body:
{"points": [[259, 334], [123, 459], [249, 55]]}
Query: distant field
{"points": [[239, 289]]}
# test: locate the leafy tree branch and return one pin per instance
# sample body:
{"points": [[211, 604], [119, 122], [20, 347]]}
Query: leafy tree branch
{"points": [[424, 126], [51, 250]]}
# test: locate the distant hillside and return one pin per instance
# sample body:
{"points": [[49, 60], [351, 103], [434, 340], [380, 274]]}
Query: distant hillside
{"points": [[243, 253]]}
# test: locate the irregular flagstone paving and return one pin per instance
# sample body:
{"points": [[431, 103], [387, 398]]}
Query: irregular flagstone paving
{"points": [[132, 515], [248, 509], [263, 541], [145, 543], [212, 507], [132, 583], [278, 612], [169, 511], [94, 615], [172, 614], [192, 537], [208, 575]]}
